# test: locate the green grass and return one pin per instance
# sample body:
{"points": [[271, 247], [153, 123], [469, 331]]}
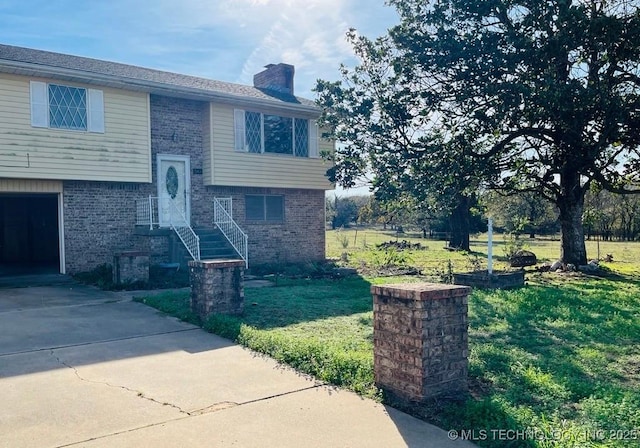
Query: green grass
{"points": [[556, 355], [561, 355], [362, 251], [321, 327]]}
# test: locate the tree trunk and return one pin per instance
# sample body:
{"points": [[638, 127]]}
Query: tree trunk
{"points": [[571, 206], [459, 223]]}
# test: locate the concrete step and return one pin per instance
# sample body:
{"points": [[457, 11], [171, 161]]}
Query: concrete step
{"points": [[208, 255], [213, 245]]}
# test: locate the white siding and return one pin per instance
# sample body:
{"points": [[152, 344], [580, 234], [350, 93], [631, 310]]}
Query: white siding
{"points": [[233, 168], [207, 131], [122, 153]]}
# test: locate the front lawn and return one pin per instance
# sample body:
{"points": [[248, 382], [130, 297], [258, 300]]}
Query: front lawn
{"points": [[321, 327], [559, 358]]}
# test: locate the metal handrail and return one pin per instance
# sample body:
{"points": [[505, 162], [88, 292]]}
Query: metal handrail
{"points": [[223, 219], [147, 212], [184, 231]]}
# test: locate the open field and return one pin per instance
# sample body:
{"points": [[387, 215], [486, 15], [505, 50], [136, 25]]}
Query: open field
{"points": [[361, 248], [559, 357]]}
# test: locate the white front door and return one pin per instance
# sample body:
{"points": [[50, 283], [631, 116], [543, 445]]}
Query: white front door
{"points": [[174, 189]]}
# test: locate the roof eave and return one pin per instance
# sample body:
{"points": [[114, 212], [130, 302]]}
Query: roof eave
{"points": [[31, 69]]}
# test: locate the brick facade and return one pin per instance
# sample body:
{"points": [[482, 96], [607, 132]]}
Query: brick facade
{"points": [[99, 217]]}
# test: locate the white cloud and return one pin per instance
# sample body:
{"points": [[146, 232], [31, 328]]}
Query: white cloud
{"points": [[221, 39], [309, 35]]}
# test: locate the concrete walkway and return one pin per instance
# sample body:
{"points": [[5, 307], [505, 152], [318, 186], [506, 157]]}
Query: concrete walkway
{"points": [[82, 367]]}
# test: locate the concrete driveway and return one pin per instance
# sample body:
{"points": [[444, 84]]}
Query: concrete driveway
{"points": [[82, 367]]}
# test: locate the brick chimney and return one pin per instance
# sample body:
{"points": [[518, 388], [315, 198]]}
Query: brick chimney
{"points": [[277, 77]]}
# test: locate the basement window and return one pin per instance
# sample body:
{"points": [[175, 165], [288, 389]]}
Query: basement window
{"points": [[268, 208]]}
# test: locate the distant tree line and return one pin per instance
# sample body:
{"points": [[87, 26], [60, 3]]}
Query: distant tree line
{"points": [[607, 215], [349, 211], [611, 216]]}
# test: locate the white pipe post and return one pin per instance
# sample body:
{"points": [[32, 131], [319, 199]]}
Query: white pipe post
{"points": [[150, 213], [490, 248]]}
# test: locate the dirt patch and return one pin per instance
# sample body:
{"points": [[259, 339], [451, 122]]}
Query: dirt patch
{"points": [[630, 367]]}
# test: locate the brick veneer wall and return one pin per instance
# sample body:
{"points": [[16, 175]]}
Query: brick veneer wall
{"points": [[420, 339], [176, 128], [217, 287], [99, 217], [299, 238]]}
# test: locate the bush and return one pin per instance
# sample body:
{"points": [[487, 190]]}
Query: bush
{"points": [[389, 257], [100, 276]]}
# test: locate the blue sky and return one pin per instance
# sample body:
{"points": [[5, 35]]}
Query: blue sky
{"points": [[228, 40]]}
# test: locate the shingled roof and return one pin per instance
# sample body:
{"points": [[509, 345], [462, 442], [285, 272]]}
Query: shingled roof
{"points": [[28, 61]]}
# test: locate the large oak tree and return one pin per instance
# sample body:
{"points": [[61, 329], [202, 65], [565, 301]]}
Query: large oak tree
{"points": [[546, 93]]}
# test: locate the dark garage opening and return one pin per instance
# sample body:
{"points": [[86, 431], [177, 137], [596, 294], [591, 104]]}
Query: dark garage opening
{"points": [[29, 234]]}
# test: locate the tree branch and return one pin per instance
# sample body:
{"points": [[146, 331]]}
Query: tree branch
{"points": [[609, 186], [538, 133]]}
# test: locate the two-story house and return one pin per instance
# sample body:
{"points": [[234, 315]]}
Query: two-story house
{"points": [[99, 157]]}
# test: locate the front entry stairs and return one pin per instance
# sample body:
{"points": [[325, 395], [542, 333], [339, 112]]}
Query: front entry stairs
{"points": [[213, 246]]}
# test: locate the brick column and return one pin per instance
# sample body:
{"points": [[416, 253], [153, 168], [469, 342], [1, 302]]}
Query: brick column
{"points": [[217, 287], [420, 339], [130, 267]]}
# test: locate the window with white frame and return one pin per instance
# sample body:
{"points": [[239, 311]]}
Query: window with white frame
{"points": [[258, 132], [261, 207], [66, 107]]}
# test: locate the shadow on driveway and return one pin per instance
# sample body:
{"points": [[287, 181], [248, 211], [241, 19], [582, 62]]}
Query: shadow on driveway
{"points": [[41, 319]]}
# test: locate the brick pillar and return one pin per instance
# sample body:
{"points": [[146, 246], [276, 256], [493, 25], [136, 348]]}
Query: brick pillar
{"points": [[420, 339], [130, 267], [217, 287]]}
